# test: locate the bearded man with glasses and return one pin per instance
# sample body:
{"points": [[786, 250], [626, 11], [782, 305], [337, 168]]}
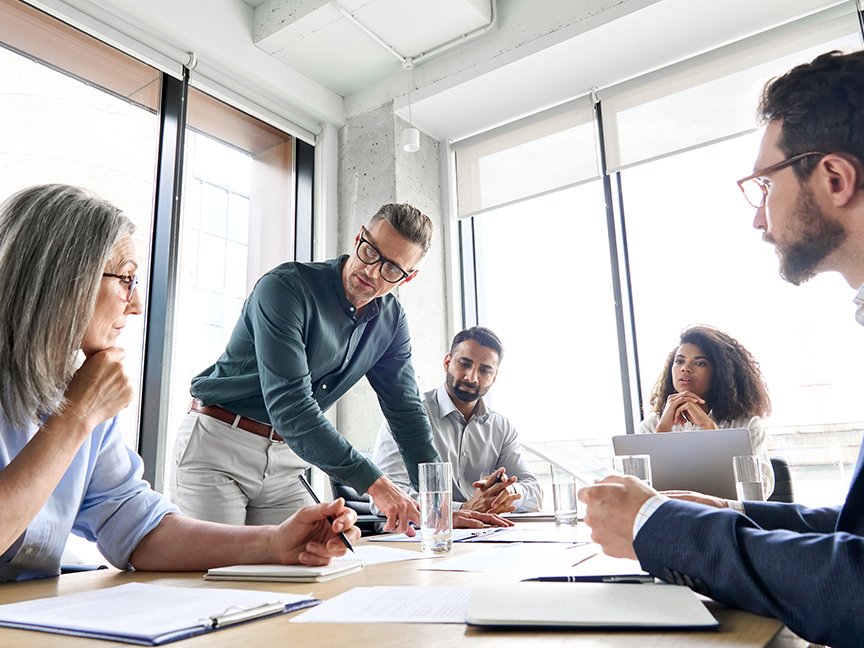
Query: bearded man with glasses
{"points": [[307, 333], [802, 565]]}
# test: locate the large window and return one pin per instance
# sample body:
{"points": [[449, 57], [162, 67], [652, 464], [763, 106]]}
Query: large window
{"points": [[68, 117], [237, 223], [538, 258]]}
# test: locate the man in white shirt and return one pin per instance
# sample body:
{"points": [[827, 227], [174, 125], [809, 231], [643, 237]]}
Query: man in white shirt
{"points": [[489, 473]]}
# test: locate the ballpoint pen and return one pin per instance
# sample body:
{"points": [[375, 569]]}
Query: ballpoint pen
{"points": [[306, 485], [629, 578]]}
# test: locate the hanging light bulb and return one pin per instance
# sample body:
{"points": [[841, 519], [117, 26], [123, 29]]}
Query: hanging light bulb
{"points": [[410, 136]]}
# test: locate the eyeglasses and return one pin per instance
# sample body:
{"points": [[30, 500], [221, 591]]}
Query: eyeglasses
{"points": [[130, 281], [369, 254], [755, 188]]}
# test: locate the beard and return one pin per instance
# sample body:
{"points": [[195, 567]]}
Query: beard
{"points": [[818, 236], [461, 391]]}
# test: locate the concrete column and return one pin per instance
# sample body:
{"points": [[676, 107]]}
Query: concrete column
{"points": [[374, 170]]}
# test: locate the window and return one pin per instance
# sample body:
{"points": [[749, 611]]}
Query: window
{"points": [[237, 223], [77, 111], [538, 258], [547, 281]]}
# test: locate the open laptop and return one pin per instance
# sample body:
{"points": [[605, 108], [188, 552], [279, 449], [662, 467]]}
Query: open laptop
{"points": [[697, 460]]}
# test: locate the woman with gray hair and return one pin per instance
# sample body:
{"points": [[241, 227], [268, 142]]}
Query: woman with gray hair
{"points": [[67, 284]]}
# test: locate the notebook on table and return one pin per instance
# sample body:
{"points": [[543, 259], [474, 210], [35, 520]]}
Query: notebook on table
{"points": [[696, 460], [588, 605], [286, 573]]}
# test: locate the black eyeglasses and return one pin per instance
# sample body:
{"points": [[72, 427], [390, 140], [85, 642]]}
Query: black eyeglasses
{"points": [[130, 281], [369, 254], [754, 187]]}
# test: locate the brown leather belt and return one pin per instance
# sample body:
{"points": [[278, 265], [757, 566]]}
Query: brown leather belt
{"points": [[235, 420]]}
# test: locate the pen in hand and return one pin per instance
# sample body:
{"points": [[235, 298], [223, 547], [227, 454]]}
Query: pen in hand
{"points": [[306, 485]]}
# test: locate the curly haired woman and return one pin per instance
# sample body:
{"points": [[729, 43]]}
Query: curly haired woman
{"points": [[710, 382]]}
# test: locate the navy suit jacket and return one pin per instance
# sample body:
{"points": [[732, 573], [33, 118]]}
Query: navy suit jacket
{"points": [[804, 566]]}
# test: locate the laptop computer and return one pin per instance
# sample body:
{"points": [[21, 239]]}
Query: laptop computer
{"points": [[697, 460]]}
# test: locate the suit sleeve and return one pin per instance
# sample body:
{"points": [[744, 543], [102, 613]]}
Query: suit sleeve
{"points": [[812, 582]]}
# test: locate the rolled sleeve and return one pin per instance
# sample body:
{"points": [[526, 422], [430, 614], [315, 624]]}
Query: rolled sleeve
{"points": [[119, 508]]}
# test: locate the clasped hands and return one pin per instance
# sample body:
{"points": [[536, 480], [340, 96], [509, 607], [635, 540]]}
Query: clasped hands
{"points": [[493, 493]]}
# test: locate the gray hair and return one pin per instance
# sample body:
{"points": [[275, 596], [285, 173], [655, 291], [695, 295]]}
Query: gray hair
{"points": [[54, 243], [409, 221]]}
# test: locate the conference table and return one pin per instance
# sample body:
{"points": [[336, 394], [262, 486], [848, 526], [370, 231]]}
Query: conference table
{"points": [[737, 628]]}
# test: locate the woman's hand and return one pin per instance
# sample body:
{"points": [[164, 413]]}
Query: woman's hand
{"points": [[99, 389], [672, 413]]}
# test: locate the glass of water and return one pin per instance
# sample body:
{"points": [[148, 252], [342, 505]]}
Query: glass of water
{"points": [[637, 465], [564, 497], [748, 478], [436, 517]]}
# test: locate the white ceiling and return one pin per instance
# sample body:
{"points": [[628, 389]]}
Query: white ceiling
{"points": [[349, 45]]}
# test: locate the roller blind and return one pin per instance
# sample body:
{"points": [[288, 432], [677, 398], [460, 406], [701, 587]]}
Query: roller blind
{"points": [[545, 152], [713, 96]]}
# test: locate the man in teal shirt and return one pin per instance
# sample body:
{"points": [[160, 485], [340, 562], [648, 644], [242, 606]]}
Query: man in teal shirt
{"points": [[307, 333]]}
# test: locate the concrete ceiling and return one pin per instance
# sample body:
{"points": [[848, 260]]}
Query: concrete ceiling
{"points": [[349, 45]]}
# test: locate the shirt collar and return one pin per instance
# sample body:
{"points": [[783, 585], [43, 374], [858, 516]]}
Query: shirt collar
{"points": [[859, 302], [367, 312]]}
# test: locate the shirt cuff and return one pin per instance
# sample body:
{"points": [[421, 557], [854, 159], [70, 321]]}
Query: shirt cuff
{"points": [[652, 504], [735, 505]]}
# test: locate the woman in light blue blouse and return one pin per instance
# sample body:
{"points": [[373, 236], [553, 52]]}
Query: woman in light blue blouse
{"points": [[68, 284]]}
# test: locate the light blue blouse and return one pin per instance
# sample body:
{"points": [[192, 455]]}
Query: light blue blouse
{"points": [[101, 498]]}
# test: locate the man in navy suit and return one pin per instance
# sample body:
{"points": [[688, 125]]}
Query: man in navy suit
{"points": [[804, 566]]}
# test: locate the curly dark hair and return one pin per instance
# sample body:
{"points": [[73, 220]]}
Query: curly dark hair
{"points": [[821, 107], [738, 388]]}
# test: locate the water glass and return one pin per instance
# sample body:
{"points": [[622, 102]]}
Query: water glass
{"points": [[436, 517], [564, 497], [637, 465], [748, 478]]}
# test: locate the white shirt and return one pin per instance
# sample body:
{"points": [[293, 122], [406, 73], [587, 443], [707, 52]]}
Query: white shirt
{"points": [[474, 448]]}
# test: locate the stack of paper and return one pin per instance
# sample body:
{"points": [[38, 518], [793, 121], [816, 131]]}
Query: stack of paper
{"points": [[285, 573]]}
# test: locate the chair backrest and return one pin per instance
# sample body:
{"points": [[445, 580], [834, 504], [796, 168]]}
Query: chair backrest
{"points": [[368, 522], [782, 481]]}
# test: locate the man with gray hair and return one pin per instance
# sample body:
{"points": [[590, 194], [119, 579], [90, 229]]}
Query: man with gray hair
{"points": [[307, 333]]}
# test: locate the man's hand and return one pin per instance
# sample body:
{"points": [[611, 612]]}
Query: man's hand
{"points": [[698, 498], [473, 520], [396, 505], [613, 504], [309, 538], [493, 494]]}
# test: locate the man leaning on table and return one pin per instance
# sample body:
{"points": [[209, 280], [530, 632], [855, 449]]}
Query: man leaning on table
{"points": [[307, 333], [804, 566], [489, 473]]}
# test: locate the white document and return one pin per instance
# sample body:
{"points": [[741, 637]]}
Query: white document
{"points": [[518, 560], [535, 533], [572, 457], [147, 614], [392, 605], [600, 605]]}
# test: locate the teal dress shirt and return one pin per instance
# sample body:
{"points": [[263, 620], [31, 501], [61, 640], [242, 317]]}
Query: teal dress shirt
{"points": [[298, 346]]}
